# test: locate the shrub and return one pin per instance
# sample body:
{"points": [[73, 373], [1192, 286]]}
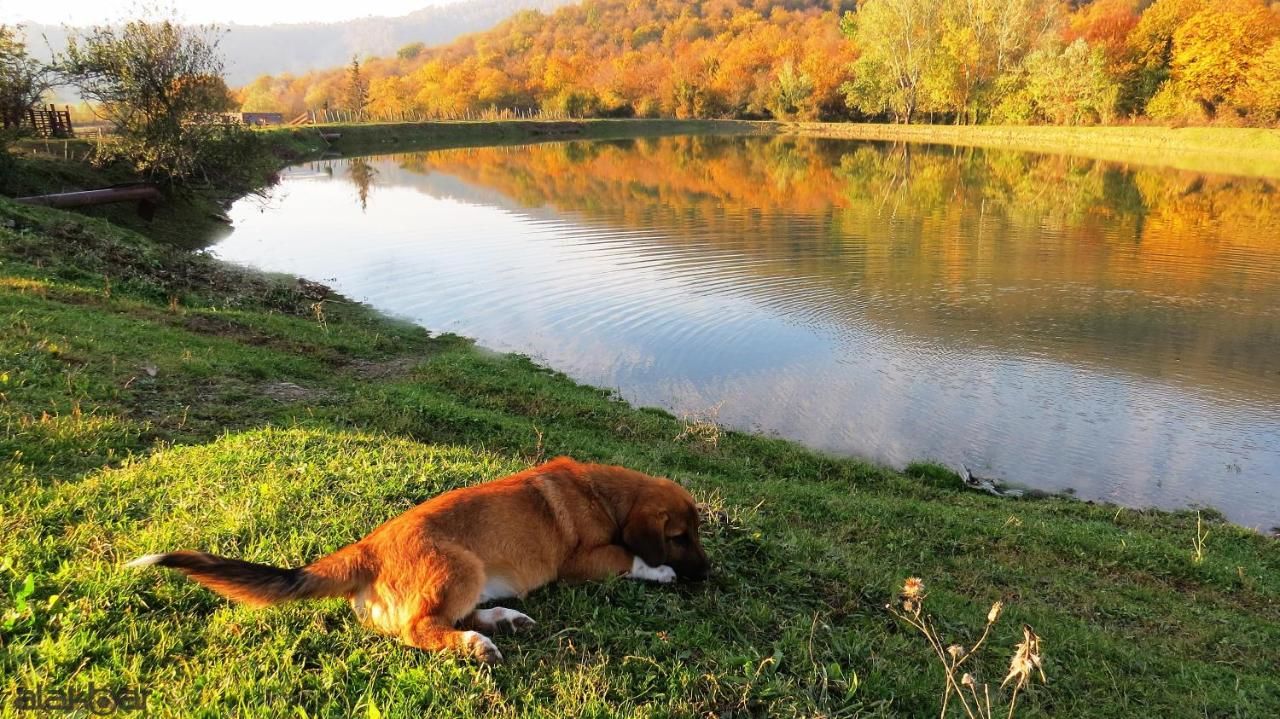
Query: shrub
{"points": [[1174, 105], [160, 83]]}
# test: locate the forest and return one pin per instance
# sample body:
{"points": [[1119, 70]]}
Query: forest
{"points": [[941, 61]]}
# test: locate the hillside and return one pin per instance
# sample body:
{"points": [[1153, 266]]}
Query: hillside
{"points": [[947, 61], [745, 58], [252, 50]]}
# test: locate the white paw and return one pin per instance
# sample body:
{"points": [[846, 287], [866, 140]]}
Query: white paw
{"points": [[481, 647], [661, 574], [503, 619]]}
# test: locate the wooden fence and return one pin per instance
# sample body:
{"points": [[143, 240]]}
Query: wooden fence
{"points": [[50, 122], [325, 117]]}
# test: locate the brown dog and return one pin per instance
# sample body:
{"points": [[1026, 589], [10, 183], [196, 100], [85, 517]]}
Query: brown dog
{"points": [[420, 575]]}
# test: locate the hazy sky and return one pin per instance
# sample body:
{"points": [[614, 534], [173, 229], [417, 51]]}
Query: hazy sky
{"points": [[244, 12]]}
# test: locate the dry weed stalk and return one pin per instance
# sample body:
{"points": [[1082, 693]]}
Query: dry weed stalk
{"points": [[977, 703], [1197, 544], [317, 310], [702, 427]]}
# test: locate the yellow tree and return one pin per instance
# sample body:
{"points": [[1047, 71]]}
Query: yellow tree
{"points": [[1215, 48], [899, 41], [1152, 42], [388, 98], [979, 41], [1260, 91]]}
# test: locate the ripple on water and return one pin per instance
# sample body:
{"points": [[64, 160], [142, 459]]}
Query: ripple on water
{"points": [[1120, 343]]}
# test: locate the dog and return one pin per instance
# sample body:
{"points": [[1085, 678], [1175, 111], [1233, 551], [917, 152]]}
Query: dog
{"points": [[420, 576]]}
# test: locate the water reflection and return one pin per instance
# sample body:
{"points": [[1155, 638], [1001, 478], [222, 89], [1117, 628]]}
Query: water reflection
{"points": [[1059, 322]]}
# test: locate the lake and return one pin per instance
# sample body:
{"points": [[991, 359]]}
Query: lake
{"points": [[1054, 322]]}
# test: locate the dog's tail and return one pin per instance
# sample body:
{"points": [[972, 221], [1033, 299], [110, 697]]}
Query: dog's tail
{"points": [[260, 585]]}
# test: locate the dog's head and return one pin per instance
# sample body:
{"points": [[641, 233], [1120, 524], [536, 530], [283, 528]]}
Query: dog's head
{"points": [[662, 528]]}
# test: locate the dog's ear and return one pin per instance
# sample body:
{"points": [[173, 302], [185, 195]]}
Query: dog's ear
{"points": [[645, 534]]}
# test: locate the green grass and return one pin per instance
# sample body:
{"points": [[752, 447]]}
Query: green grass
{"points": [[392, 136], [1215, 150], [143, 409], [1253, 152]]}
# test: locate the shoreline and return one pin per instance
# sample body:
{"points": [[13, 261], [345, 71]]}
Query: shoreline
{"points": [[1250, 152]]}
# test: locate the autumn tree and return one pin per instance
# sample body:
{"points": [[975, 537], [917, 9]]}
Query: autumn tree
{"points": [[1107, 26], [963, 61], [1260, 90], [1151, 43], [160, 84], [1215, 48], [357, 90], [1064, 85], [791, 91], [898, 40]]}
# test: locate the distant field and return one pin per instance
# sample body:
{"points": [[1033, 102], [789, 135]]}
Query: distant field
{"points": [[1252, 152]]}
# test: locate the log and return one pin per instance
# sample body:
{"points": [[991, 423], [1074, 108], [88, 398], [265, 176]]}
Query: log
{"points": [[127, 193]]}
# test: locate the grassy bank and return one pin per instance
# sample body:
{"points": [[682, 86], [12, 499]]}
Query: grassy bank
{"points": [[389, 137], [1253, 152], [153, 398]]}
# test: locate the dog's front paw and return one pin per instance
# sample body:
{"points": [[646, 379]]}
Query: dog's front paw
{"points": [[481, 648], [660, 574]]}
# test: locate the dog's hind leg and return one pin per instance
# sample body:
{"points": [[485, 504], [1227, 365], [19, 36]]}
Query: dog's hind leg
{"points": [[437, 633], [497, 619], [446, 593]]}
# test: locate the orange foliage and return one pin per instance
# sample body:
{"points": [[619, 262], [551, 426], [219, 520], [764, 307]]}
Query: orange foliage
{"points": [[608, 57], [1107, 24], [789, 58], [1214, 48]]}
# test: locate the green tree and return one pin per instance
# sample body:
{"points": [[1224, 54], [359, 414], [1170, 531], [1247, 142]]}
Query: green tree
{"points": [[411, 51], [1064, 85], [160, 83], [979, 42], [898, 40], [23, 80], [357, 86], [791, 91]]}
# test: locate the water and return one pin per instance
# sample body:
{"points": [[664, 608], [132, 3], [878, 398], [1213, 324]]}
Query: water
{"points": [[1055, 322]]}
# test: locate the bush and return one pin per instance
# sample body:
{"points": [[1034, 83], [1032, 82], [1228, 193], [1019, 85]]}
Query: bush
{"points": [[161, 85], [23, 81], [574, 103], [1173, 105]]}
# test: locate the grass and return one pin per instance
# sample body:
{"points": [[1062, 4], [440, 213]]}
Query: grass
{"points": [[1253, 152], [153, 399], [391, 136]]}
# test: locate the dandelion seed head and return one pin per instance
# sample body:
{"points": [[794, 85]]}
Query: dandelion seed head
{"points": [[1026, 658], [913, 588]]}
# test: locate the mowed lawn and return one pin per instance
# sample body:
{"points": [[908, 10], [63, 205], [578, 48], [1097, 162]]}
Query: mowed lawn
{"points": [[153, 399]]}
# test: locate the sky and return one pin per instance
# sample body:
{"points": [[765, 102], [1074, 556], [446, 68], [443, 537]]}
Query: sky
{"points": [[242, 12]]}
